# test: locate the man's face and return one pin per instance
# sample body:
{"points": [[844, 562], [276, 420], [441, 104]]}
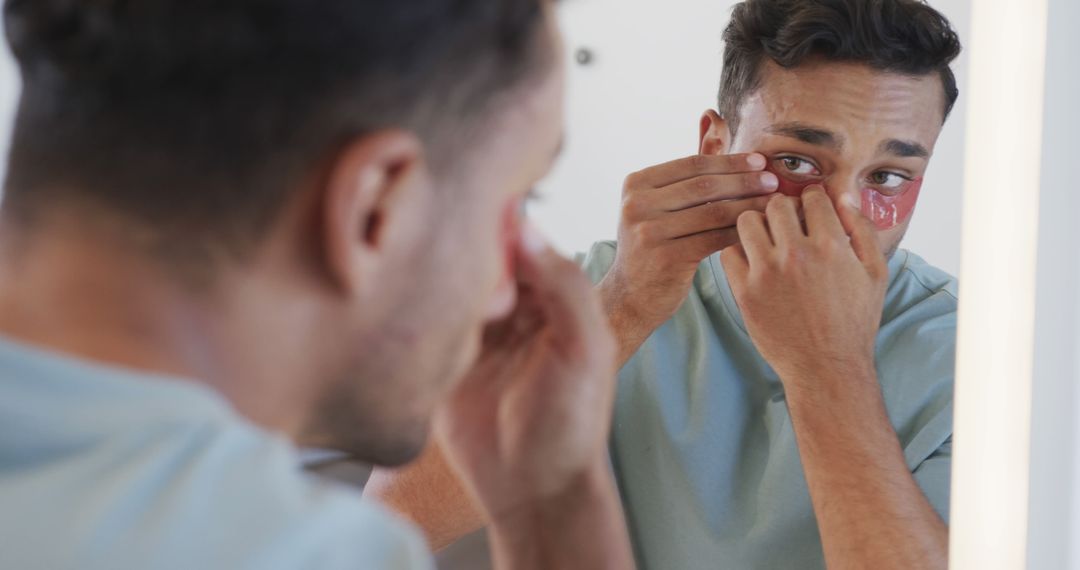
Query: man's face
{"points": [[471, 276], [849, 127], [451, 275]]}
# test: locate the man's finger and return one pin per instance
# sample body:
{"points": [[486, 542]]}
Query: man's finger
{"points": [[863, 236], [821, 216], [691, 167], [563, 293], [736, 266], [754, 236], [702, 245], [713, 188], [785, 227], [707, 217]]}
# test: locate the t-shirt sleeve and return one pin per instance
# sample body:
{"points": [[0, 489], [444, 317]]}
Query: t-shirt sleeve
{"points": [[597, 261], [934, 475], [371, 539], [327, 526], [247, 504], [916, 364]]}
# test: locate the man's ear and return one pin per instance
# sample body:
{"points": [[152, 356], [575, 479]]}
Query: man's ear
{"points": [[370, 193], [715, 137]]}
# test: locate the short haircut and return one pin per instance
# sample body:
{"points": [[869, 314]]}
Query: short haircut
{"points": [[901, 36], [198, 118]]}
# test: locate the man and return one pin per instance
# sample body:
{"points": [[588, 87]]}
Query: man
{"points": [[787, 403], [229, 228]]}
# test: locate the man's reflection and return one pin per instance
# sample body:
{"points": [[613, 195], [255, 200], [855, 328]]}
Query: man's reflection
{"points": [[788, 403]]}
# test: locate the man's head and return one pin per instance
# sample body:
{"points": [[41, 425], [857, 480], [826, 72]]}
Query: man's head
{"points": [[352, 167], [848, 93]]}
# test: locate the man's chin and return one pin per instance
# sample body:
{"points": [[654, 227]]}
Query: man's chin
{"points": [[399, 454], [890, 244], [393, 451], [384, 445]]}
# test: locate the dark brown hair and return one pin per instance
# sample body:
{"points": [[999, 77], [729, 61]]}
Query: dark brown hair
{"points": [[197, 118], [902, 36]]}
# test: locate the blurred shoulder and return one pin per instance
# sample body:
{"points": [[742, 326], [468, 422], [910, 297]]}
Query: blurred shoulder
{"points": [[920, 287], [598, 260], [295, 518]]}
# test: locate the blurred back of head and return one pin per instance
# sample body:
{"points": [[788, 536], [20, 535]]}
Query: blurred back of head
{"points": [[194, 120]]}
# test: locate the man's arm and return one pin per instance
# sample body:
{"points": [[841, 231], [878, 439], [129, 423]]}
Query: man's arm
{"points": [[812, 300], [564, 532], [871, 511], [430, 494], [527, 428], [561, 532]]}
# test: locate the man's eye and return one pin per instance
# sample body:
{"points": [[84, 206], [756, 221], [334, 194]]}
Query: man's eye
{"points": [[888, 180], [799, 166]]}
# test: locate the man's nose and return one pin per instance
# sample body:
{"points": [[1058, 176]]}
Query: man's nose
{"points": [[504, 298], [841, 189]]}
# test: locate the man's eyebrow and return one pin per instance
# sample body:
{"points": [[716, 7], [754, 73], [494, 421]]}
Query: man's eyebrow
{"points": [[808, 134], [905, 149]]}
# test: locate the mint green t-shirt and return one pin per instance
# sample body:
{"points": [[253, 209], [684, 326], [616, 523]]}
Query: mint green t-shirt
{"points": [[110, 469], [702, 443]]}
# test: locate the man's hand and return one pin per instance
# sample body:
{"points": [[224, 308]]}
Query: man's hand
{"points": [[673, 216], [527, 429], [811, 298], [534, 412]]}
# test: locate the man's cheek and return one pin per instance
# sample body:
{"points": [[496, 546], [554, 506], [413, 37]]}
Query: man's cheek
{"points": [[513, 220], [888, 212]]}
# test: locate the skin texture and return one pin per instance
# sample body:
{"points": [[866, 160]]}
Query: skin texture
{"points": [[384, 295], [809, 274]]}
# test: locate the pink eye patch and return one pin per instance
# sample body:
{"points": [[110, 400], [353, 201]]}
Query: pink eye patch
{"points": [[889, 211], [885, 210]]}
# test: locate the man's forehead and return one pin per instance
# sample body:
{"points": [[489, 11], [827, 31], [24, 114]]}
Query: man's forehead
{"points": [[851, 102], [823, 136]]}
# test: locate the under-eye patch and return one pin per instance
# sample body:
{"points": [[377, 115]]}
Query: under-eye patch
{"points": [[886, 210], [890, 210]]}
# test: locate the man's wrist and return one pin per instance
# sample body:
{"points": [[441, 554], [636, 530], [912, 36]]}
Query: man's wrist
{"points": [[581, 527], [834, 395], [630, 325], [828, 376], [588, 486], [616, 300], [842, 406]]}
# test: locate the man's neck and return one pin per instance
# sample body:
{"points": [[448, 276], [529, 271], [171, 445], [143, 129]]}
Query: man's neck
{"points": [[86, 294]]}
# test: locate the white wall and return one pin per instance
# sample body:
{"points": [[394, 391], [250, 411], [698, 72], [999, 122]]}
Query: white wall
{"points": [[656, 68], [1054, 515]]}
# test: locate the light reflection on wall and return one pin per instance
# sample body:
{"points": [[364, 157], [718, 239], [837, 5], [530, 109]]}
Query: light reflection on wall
{"points": [[997, 287], [9, 91]]}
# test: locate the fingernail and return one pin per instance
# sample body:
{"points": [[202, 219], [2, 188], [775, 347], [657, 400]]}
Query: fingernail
{"points": [[532, 240], [769, 181], [755, 161]]}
